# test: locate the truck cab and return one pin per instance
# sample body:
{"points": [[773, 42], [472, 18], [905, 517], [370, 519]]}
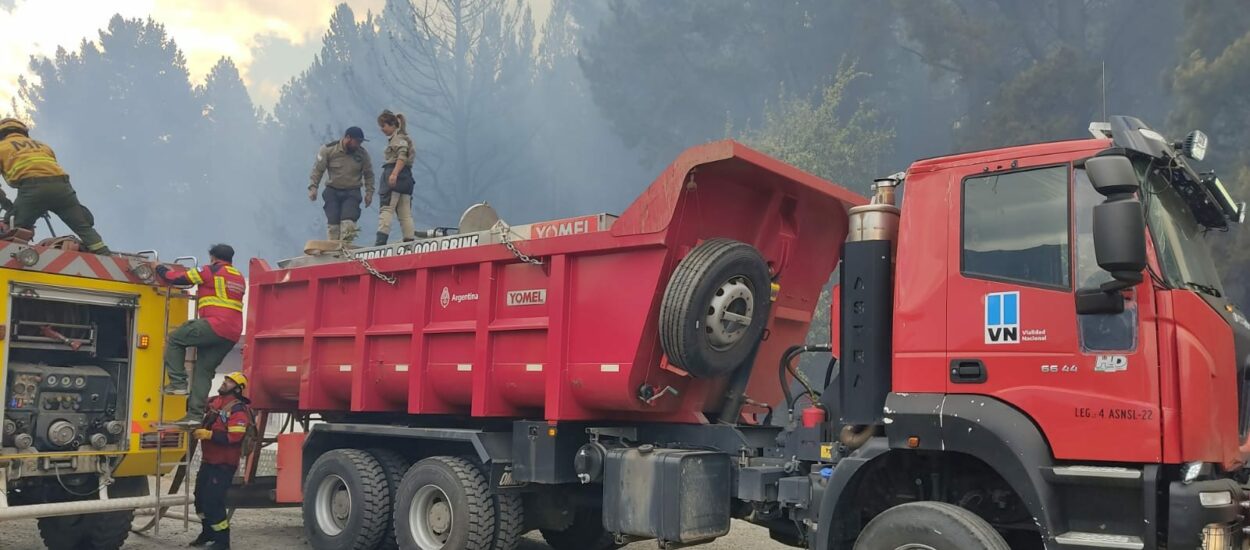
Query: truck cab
{"points": [[1059, 356]]}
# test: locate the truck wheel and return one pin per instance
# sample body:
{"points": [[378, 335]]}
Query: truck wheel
{"points": [[509, 521], [109, 530], [929, 526], [345, 501], [445, 502], [585, 533], [64, 532], [715, 307], [394, 466]]}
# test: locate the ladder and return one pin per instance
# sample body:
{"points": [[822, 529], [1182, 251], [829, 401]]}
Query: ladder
{"points": [[179, 488]]}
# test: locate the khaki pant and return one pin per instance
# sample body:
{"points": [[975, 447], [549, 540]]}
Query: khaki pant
{"points": [[400, 205]]}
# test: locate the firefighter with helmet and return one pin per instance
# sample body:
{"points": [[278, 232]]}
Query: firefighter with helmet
{"points": [[42, 185], [222, 440]]}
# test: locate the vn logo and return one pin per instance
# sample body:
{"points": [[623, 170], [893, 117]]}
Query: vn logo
{"points": [[1002, 318]]}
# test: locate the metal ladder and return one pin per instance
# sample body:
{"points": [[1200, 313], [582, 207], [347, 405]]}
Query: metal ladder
{"points": [[179, 488]]}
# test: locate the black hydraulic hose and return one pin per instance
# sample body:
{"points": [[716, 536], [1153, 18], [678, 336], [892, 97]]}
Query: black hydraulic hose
{"points": [[786, 364]]}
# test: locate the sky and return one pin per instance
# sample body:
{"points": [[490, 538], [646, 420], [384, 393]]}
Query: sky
{"points": [[269, 40]]}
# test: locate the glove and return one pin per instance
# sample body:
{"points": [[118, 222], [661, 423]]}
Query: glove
{"points": [[368, 200], [312, 194], [202, 434]]}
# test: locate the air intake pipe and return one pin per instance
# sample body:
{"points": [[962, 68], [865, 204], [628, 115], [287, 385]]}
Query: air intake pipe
{"points": [[867, 287]]}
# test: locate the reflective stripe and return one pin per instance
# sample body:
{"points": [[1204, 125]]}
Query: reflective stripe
{"points": [[212, 301], [231, 270], [225, 524], [194, 277], [96, 246], [219, 283], [236, 429], [11, 173]]}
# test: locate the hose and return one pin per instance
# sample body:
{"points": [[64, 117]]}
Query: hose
{"points": [[786, 364]]}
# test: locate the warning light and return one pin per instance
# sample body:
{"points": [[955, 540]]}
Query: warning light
{"points": [[913, 442], [144, 341], [551, 432]]}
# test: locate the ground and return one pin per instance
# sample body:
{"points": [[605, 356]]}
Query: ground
{"points": [[281, 529]]}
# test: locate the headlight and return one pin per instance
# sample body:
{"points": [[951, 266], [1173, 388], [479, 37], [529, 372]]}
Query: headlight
{"points": [[1195, 145], [1215, 499], [1190, 472], [27, 257]]}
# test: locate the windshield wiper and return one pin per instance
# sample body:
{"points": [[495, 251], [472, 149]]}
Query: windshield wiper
{"points": [[1204, 289]]}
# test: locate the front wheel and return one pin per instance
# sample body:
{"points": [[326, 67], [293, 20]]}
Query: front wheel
{"points": [[444, 503], [929, 526]]}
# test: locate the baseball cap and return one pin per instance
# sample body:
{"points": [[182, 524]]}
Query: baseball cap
{"points": [[355, 133]]}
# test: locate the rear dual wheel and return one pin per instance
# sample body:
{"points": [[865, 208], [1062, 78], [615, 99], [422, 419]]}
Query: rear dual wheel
{"points": [[446, 503]]}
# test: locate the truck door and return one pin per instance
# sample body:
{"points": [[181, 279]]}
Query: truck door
{"points": [[1023, 245]]}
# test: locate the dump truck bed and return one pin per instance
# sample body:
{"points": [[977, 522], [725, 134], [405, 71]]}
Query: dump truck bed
{"points": [[475, 330]]}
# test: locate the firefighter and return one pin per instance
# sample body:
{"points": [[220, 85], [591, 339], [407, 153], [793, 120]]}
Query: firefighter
{"points": [[42, 185], [219, 302], [348, 166], [395, 191], [221, 435]]}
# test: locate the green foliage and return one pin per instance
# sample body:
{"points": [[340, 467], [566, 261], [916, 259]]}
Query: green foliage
{"points": [[826, 135], [1208, 85]]}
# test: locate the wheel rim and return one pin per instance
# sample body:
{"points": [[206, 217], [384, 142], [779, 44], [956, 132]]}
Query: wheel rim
{"points": [[431, 518], [915, 546], [334, 505], [729, 313]]}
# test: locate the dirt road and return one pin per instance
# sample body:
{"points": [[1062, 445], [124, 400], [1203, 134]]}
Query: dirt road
{"points": [[283, 529]]}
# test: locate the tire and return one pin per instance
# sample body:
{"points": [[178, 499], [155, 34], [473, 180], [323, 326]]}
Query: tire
{"points": [[934, 525], [509, 521], [64, 532], [347, 482], [394, 466], [101, 531], [456, 487], [718, 279], [585, 533]]}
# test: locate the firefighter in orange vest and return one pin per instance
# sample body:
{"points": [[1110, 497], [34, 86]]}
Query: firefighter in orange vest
{"points": [[42, 185], [221, 434], [219, 301]]}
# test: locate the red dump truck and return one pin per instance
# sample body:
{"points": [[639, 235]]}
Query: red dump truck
{"points": [[1035, 352]]}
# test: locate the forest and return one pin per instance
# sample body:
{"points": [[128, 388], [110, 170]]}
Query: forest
{"points": [[576, 113]]}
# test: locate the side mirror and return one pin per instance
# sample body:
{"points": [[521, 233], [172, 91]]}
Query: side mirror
{"points": [[1119, 233]]}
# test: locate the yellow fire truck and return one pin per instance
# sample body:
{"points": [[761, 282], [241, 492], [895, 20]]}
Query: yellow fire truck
{"points": [[82, 375]]}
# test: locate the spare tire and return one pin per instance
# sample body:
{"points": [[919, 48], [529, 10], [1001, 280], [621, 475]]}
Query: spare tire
{"points": [[715, 308]]}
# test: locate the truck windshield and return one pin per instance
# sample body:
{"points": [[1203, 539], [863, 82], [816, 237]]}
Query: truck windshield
{"points": [[1184, 256]]}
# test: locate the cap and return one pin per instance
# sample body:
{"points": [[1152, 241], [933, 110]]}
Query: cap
{"points": [[355, 133]]}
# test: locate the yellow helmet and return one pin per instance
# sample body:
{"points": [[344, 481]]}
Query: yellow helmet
{"points": [[13, 125], [238, 378]]}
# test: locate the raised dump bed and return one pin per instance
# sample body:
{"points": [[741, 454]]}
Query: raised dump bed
{"points": [[470, 328]]}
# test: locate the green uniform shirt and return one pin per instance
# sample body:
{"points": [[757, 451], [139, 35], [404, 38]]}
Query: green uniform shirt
{"points": [[343, 170], [399, 146]]}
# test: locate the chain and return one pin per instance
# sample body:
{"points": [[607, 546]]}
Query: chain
{"points": [[388, 279], [504, 230]]}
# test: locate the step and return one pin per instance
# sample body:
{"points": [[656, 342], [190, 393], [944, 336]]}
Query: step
{"points": [[1096, 475], [1078, 539]]}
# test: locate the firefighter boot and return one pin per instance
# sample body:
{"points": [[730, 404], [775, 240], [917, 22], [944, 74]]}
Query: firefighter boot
{"points": [[381, 240], [349, 232], [206, 536], [333, 232]]}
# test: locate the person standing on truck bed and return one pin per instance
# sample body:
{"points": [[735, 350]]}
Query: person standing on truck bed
{"points": [[395, 192], [219, 301], [348, 167], [42, 185], [222, 439]]}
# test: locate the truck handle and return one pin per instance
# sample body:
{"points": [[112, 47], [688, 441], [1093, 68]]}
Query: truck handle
{"points": [[195, 262], [151, 255], [967, 371]]}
